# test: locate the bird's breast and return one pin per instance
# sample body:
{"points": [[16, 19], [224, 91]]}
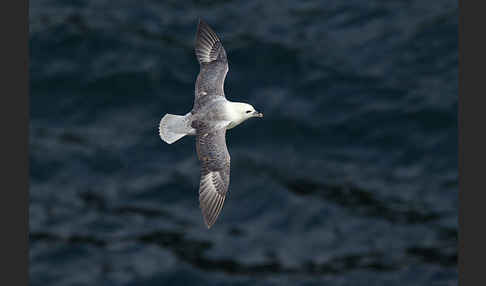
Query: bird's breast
{"points": [[232, 116]]}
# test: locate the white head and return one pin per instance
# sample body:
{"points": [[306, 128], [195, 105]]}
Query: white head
{"points": [[246, 110], [242, 111]]}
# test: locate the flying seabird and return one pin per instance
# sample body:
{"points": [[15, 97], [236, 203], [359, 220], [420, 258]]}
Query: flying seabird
{"points": [[212, 114]]}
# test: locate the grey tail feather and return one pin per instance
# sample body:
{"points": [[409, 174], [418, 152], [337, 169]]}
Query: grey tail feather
{"points": [[173, 127]]}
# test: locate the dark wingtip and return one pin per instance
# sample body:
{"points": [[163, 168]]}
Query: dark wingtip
{"points": [[207, 222], [201, 23], [204, 28], [207, 43]]}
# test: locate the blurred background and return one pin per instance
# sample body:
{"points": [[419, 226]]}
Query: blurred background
{"points": [[350, 179]]}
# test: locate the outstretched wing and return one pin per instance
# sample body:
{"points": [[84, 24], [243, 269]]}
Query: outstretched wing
{"points": [[213, 64], [215, 171], [208, 45]]}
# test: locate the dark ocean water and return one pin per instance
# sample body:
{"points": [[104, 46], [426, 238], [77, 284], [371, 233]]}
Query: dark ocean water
{"points": [[350, 179]]}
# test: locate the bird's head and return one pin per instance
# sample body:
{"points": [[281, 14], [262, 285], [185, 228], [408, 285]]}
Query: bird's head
{"points": [[247, 111]]}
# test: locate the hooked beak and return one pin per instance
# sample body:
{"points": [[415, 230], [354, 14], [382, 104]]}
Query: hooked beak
{"points": [[257, 114]]}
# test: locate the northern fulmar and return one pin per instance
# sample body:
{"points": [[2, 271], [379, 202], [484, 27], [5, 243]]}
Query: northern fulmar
{"points": [[211, 115]]}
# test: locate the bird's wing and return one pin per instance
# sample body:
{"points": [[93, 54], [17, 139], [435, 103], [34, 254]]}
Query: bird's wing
{"points": [[215, 171], [213, 64]]}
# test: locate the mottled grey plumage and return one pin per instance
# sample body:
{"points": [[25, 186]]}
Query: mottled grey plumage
{"points": [[211, 138], [215, 170], [212, 114], [213, 66]]}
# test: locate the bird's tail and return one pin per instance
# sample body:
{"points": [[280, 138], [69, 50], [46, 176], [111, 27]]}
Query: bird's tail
{"points": [[173, 127]]}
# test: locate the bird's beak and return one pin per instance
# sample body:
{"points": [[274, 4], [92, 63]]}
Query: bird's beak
{"points": [[257, 114]]}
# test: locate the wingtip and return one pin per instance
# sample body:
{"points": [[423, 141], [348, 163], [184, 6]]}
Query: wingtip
{"points": [[207, 222], [207, 43], [200, 22], [210, 220], [204, 28]]}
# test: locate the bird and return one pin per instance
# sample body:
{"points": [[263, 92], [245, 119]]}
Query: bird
{"points": [[211, 116]]}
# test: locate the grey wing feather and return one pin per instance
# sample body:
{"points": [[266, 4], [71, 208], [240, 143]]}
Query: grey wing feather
{"points": [[215, 171], [213, 64], [208, 46]]}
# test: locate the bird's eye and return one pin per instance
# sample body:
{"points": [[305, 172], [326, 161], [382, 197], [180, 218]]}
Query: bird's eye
{"points": [[248, 111]]}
